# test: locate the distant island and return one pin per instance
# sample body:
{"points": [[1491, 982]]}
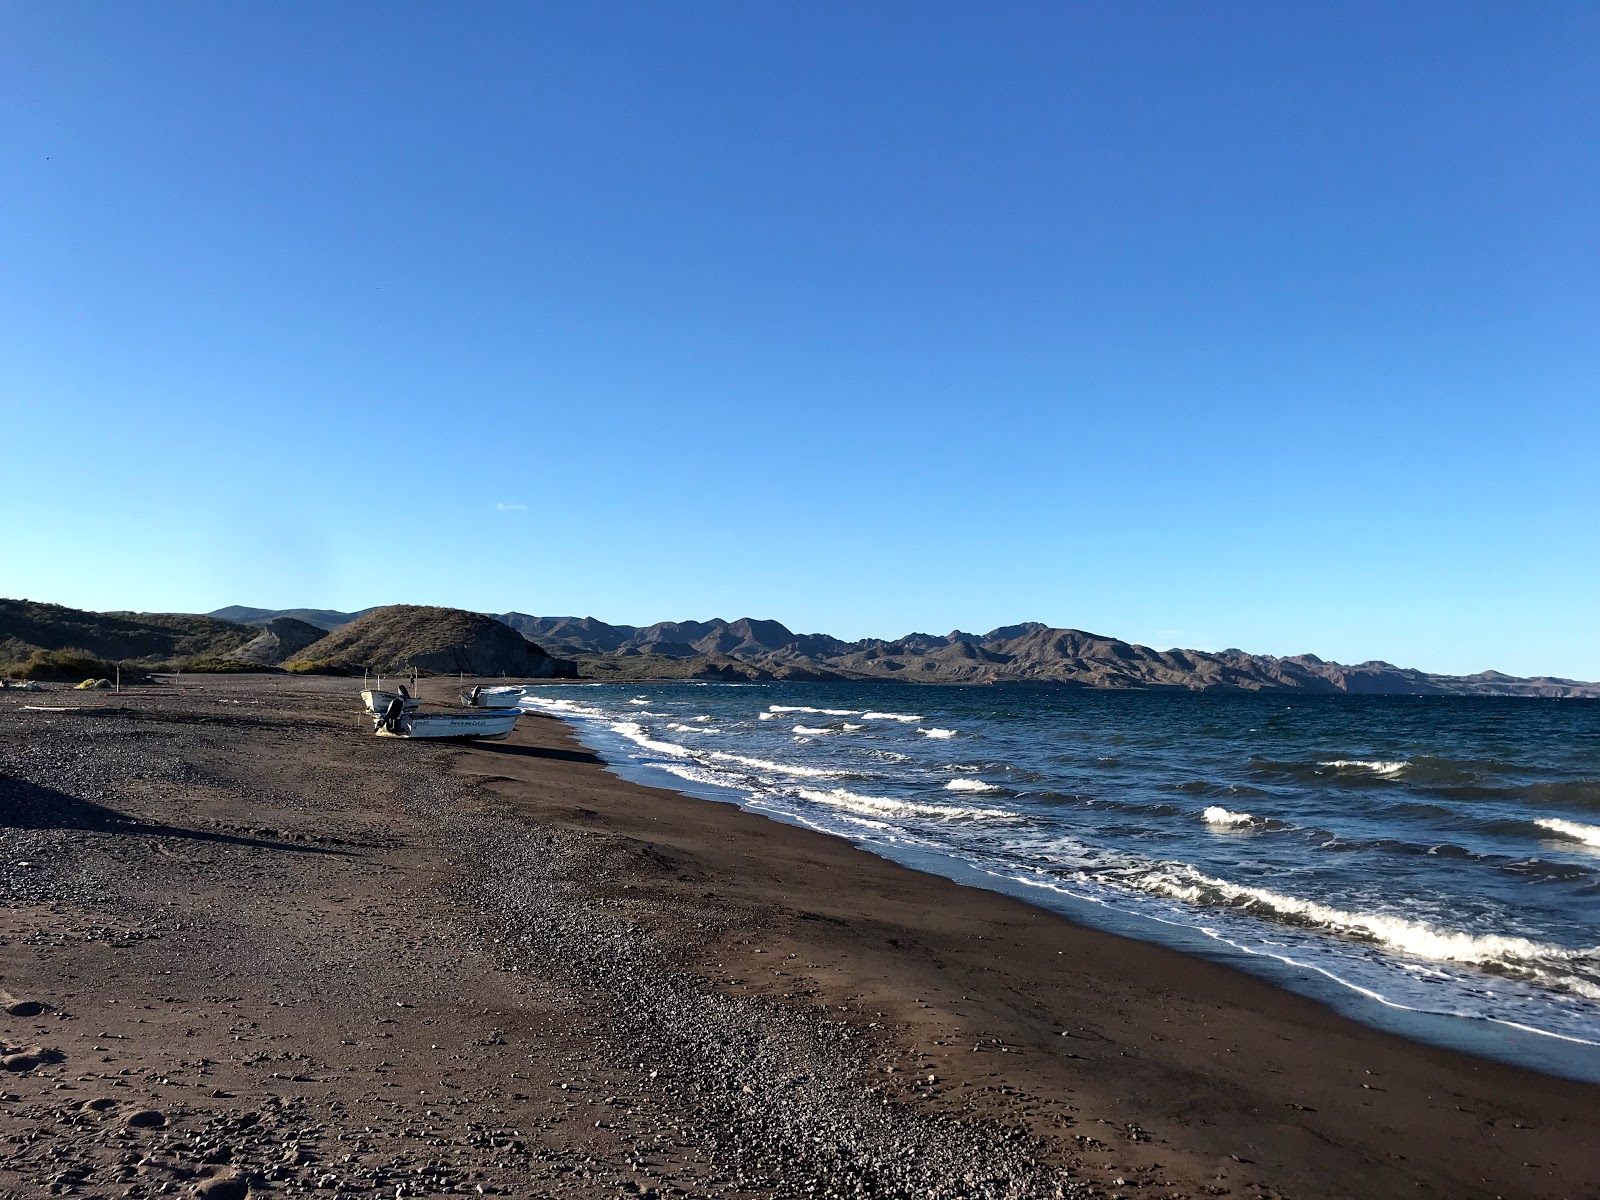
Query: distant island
{"points": [[51, 641]]}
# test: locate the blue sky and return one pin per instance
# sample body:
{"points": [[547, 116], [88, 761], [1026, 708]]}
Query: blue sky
{"points": [[1258, 325]]}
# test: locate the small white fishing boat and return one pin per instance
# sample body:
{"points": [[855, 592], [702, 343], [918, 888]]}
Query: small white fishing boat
{"points": [[379, 701], [492, 697], [488, 726]]}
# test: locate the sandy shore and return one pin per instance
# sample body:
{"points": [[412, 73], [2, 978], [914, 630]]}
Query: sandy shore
{"points": [[249, 947]]}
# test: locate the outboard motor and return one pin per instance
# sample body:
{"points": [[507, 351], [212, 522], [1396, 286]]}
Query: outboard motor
{"points": [[393, 713], [477, 690], [404, 695]]}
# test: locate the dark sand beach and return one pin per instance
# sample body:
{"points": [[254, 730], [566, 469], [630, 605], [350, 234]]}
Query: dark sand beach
{"points": [[248, 947]]}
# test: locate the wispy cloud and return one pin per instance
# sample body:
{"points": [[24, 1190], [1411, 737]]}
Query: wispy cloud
{"points": [[511, 507]]}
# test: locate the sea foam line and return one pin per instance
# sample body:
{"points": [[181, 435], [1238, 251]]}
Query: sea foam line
{"points": [[1416, 938], [1042, 881]]}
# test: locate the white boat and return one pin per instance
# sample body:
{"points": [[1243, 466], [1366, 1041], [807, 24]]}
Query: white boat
{"points": [[490, 726], [378, 702], [494, 697]]}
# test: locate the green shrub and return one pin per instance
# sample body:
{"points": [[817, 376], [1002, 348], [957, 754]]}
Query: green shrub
{"points": [[224, 666], [63, 665], [320, 666]]}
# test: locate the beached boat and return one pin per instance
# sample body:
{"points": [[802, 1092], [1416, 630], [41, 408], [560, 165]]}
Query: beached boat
{"points": [[492, 697], [489, 726], [378, 701]]}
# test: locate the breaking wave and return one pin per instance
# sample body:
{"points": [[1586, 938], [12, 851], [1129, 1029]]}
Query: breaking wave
{"points": [[888, 716], [1577, 830], [883, 806], [801, 708], [1217, 815], [765, 764], [638, 734], [937, 733], [1385, 768]]}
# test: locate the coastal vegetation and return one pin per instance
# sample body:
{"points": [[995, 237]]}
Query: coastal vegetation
{"points": [[68, 664]]}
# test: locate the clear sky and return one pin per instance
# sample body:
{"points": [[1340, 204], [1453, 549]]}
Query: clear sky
{"points": [[1221, 324]]}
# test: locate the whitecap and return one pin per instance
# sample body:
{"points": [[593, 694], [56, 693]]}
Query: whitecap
{"points": [[971, 785], [878, 716], [811, 731], [1217, 815], [637, 701], [1384, 767], [1577, 830], [801, 708], [849, 728], [937, 733]]}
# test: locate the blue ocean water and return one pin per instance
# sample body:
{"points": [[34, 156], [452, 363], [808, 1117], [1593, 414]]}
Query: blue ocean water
{"points": [[1427, 864]]}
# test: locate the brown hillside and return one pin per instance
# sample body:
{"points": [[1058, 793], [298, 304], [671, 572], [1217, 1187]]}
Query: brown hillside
{"points": [[432, 639], [26, 625]]}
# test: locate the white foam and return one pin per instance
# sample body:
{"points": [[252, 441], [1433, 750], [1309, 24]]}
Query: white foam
{"points": [[971, 785], [801, 708], [638, 702], [812, 731], [693, 773], [878, 716], [849, 728], [767, 716], [678, 728], [1589, 834], [883, 806], [1217, 815], [937, 733], [1516, 955], [637, 733], [567, 707], [764, 764], [1385, 768], [704, 719]]}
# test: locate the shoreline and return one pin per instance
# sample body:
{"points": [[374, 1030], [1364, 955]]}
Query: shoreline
{"points": [[1499, 1039], [794, 994]]}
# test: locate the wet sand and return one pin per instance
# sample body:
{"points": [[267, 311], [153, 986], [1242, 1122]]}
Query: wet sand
{"points": [[335, 963]]}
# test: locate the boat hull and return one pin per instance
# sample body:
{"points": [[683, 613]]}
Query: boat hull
{"points": [[378, 702], [474, 726], [493, 698]]}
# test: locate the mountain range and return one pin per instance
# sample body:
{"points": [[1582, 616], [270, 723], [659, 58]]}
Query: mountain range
{"points": [[1025, 653], [1028, 653], [445, 639]]}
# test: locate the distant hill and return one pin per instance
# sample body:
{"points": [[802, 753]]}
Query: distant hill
{"points": [[400, 636], [1025, 653], [152, 638], [278, 641], [323, 618]]}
